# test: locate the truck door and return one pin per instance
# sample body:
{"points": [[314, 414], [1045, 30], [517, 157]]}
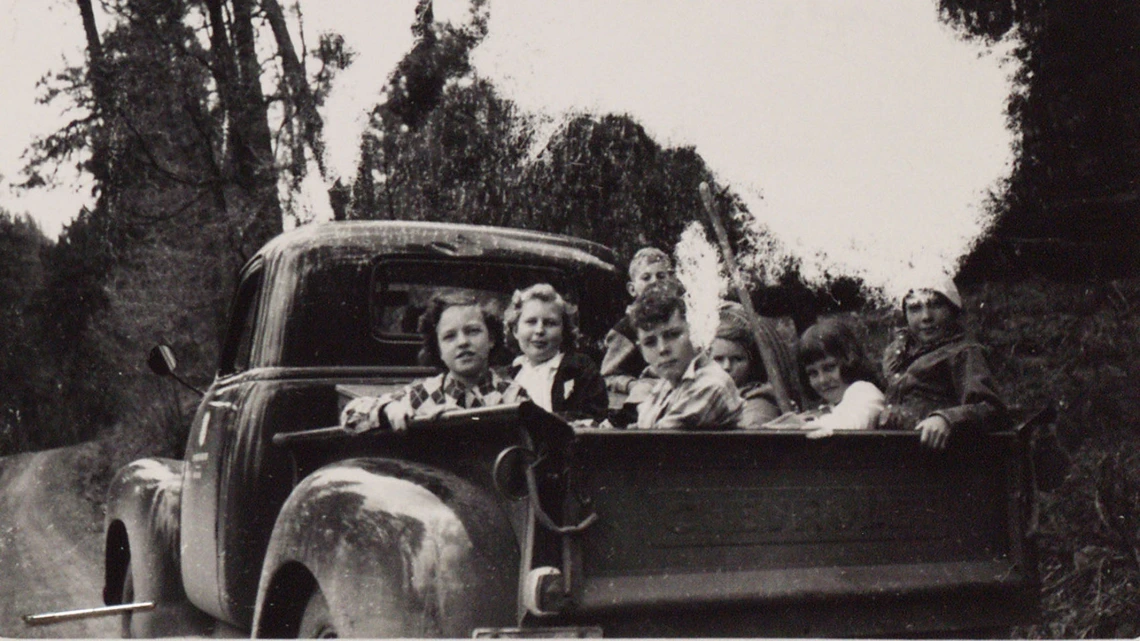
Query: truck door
{"points": [[210, 437]]}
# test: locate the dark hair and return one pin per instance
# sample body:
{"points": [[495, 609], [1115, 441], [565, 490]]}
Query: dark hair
{"points": [[734, 327], [656, 304], [546, 293], [835, 338], [429, 321]]}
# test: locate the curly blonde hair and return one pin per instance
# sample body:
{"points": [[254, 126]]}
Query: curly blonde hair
{"points": [[545, 293]]}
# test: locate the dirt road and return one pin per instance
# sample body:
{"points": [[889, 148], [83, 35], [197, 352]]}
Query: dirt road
{"points": [[50, 546]]}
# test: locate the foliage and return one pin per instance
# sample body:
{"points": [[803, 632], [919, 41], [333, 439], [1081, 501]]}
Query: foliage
{"points": [[21, 275], [147, 141], [1072, 201], [174, 129], [445, 145], [1072, 345], [1069, 211], [1090, 548], [1077, 346], [440, 53], [605, 179]]}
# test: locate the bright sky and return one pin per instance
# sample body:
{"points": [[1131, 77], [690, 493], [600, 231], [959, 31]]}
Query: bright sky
{"points": [[863, 130], [36, 38]]}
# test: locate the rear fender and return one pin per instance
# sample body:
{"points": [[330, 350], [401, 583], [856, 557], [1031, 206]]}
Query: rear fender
{"points": [[397, 549], [142, 525]]}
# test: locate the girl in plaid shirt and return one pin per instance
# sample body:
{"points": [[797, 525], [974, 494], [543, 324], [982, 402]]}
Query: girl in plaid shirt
{"points": [[459, 335]]}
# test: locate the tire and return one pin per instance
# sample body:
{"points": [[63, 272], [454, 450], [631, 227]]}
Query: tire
{"points": [[128, 597], [316, 622], [170, 618]]}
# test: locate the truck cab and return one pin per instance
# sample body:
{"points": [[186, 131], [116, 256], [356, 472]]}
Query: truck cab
{"points": [[509, 521]]}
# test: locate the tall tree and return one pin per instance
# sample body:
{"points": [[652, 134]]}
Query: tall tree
{"points": [[176, 134], [1076, 179], [446, 146], [250, 139], [102, 102], [301, 99], [21, 279]]}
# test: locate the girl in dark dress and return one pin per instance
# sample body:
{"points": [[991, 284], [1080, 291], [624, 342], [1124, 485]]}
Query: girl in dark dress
{"points": [[543, 327]]}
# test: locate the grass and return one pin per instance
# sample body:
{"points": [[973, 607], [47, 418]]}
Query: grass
{"points": [[1077, 346]]}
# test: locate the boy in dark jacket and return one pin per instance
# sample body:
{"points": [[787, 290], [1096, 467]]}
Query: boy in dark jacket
{"points": [[938, 381], [622, 364]]}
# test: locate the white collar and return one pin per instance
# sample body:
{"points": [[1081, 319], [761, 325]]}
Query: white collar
{"points": [[548, 365]]}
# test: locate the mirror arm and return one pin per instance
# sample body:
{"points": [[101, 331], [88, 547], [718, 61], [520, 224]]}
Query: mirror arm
{"points": [[187, 385]]}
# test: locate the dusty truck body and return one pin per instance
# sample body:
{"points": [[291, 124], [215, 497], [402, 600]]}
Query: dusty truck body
{"points": [[508, 521]]}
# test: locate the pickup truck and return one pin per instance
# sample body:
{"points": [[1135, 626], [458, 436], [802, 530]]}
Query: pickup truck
{"points": [[509, 522]]}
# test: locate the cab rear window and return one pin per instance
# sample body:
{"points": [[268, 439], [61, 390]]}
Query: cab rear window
{"points": [[402, 289]]}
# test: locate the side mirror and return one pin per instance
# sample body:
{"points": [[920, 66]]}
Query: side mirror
{"points": [[161, 360]]}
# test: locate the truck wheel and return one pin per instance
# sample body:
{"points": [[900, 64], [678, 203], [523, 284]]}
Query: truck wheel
{"points": [[128, 597], [316, 622]]}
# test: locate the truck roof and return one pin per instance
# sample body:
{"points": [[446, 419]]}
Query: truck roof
{"points": [[451, 239]]}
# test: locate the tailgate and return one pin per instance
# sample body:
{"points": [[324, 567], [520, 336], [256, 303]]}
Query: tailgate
{"points": [[699, 519]]}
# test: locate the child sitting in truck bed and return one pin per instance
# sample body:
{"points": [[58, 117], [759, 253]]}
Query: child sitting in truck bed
{"points": [[938, 381], [836, 368], [622, 364], [544, 328], [693, 391], [734, 349], [458, 335]]}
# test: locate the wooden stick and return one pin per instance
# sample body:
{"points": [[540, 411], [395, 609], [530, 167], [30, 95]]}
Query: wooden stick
{"points": [[762, 337]]}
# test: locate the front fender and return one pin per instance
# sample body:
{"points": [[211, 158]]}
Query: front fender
{"points": [[142, 535], [143, 511], [397, 549]]}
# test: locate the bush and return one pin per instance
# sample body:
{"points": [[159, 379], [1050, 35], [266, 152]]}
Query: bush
{"points": [[1090, 548], [157, 426], [1077, 345]]}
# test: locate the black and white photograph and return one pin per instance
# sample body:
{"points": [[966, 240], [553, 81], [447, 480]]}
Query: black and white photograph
{"points": [[581, 318]]}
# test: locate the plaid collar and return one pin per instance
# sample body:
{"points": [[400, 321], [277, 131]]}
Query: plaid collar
{"points": [[699, 361], [457, 390]]}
